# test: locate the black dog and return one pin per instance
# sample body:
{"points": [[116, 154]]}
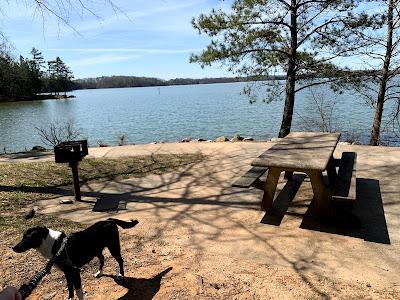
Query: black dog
{"points": [[81, 247]]}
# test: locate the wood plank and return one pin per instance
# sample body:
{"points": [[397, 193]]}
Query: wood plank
{"points": [[250, 177], [300, 151], [345, 187]]}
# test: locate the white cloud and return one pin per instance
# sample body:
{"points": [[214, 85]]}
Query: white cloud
{"points": [[101, 59], [82, 22], [129, 18], [134, 50]]}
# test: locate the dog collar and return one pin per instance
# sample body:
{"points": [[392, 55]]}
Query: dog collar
{"points": [[62, 255]]}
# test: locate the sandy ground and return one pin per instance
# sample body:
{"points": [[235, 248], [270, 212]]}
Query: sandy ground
{"points": [[199, 238]]}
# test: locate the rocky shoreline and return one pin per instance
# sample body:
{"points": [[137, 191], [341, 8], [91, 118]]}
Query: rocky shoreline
{"points": [[235, 138], [220, 139], [238, 138]]}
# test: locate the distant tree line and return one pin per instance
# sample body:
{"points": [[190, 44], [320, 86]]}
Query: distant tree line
{"points": [[105, 82], [26, 78], [134, 81]]}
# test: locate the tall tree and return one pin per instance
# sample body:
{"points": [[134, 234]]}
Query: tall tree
{"points": [[65, 78], [36, 65], [380, 54], [24, 78], [6, 62], [60, 76], [389, 88], [262, 36], [51, 77]]}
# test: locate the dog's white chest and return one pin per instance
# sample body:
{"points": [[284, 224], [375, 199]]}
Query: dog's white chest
{"points": [[48, 242]]}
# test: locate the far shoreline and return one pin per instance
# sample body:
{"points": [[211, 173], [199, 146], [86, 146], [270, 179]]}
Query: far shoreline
{"points": [[39, 98]]}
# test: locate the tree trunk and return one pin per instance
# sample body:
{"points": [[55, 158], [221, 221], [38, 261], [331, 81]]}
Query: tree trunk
{"points": [[376, 127], [289, 102], [290, 74]]}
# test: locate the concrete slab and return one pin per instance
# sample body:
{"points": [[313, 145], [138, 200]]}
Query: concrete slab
{"points": [[197, 209]]}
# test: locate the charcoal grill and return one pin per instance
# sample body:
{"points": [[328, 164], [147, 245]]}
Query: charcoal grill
{"points": [[72, 152]]}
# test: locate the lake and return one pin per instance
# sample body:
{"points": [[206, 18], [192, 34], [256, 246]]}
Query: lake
{"points": [[171, 113]]}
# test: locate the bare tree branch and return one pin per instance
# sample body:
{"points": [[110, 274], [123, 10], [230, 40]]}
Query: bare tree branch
{"points": [[57, 132]]}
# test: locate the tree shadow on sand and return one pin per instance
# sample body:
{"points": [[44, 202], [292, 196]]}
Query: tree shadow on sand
{"points": [[140, 288]]}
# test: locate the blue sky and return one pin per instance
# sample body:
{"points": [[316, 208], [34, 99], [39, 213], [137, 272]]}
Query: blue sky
{"points": [[146, 38]]}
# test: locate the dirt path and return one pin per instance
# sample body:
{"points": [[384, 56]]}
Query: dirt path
{"points": [[220, 246]]}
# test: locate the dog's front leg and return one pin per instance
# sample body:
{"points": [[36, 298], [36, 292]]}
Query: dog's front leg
{"points": [[70, 285], [79, 293], [76, 278]]}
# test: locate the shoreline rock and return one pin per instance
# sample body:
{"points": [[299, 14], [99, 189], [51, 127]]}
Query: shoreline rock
{"points": [[221, 139], [248, 139], [236, 138], [38, 148]]}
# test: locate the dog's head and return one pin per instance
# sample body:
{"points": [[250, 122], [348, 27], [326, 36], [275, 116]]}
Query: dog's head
{"points": [[32, 238]]}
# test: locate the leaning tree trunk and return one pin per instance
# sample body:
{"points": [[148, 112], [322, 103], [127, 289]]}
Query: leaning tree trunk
{"points": [[289, 103], [376, 127], [290, 74]]}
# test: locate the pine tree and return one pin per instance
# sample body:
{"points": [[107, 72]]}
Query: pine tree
{"points": [[36, 65], [51, 77], [259, 37], [59, 76]]}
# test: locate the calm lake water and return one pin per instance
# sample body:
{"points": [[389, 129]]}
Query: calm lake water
{"points": [[172, 113]]}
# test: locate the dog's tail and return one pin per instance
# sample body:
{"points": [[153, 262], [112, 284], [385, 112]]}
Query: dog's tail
{"points": [[124, 224]]}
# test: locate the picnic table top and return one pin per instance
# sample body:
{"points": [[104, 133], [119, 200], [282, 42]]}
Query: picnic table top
{"points": [[300, 151]]}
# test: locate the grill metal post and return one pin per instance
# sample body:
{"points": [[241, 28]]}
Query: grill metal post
{"points": [[72, 152], [75, 176]]}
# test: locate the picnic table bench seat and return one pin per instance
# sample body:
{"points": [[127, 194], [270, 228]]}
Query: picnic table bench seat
{"points": [[345, 185], [251, 178]]}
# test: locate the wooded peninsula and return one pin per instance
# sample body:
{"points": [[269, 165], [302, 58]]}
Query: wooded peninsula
{"points": [[32, 78]]}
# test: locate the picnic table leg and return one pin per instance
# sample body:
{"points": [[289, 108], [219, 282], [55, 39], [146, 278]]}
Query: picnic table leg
{"points": [[288, 175], [331, 170], [270, 188], [322, 194]]}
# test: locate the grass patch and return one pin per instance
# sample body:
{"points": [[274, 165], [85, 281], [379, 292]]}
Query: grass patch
{"points": [[22, 184], [50, 174], [19, 224]]}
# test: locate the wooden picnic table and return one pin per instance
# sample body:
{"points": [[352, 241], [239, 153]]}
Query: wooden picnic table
{"points": [[307, 152]]}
